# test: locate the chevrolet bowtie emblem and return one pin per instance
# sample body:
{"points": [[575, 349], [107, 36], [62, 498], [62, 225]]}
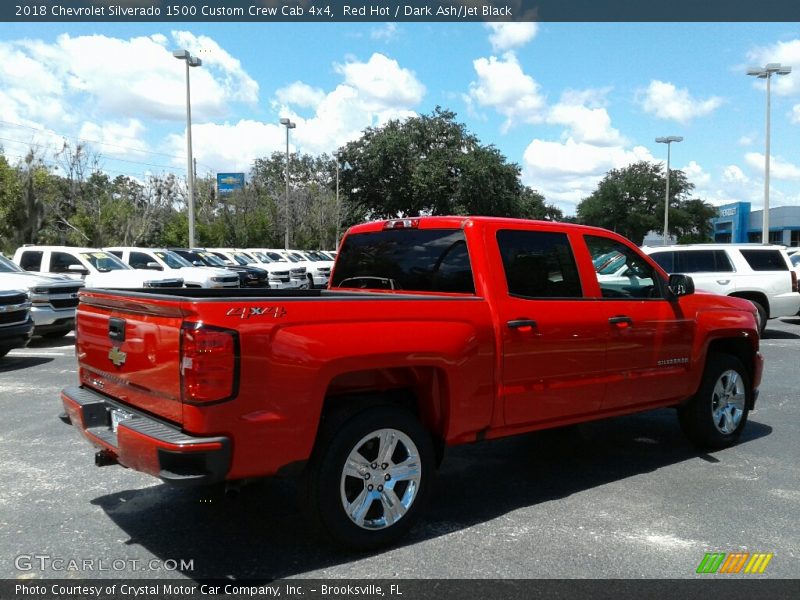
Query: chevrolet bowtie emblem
{"points": [[116, 356]]}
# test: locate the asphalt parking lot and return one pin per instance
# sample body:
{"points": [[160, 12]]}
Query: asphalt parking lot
{"points": [[622, 498]]}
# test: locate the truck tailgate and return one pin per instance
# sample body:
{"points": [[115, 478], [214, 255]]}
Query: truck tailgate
{"points": [[129, 348]]}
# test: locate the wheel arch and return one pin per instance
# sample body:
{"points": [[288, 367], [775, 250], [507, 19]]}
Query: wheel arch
{"points": [[740, 348]]}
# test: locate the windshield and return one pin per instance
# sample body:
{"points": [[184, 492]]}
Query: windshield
{"points": [[276, 257], [297, 257], [104, 262], [211, 259], [6, 266], [241, 258], [172, 260]]}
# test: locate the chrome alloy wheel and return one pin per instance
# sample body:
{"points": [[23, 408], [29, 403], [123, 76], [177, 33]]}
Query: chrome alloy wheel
{"points": [[727, 402], [380, 479]]}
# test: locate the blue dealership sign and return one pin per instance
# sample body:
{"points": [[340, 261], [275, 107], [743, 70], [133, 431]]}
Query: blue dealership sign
{"points": [[228, 182]]}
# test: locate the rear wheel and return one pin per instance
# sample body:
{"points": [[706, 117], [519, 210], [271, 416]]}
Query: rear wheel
{"points": [[371, 476], [717, 414]]}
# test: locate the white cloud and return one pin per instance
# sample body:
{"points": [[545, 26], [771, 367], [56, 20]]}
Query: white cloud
{"points": [[387, 33], [796, 113], [301, 94], [507, 36], [666, 101], [734, 174], [778, 167], [569, 171], [115, 139], [586, 118], [696, 175], [503, 85], [746, 140], [785, 53], [381, 82]]}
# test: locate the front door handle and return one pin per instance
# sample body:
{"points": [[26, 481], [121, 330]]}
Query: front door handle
{"points": [[521, 323], [621, 321]]}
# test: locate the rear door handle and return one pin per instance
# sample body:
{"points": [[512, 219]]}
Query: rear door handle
{"points": [[621, 321], [519, 323]]}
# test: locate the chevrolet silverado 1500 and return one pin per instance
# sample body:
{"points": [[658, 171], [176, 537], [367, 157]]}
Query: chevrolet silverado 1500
{"points": [[435, 331]]}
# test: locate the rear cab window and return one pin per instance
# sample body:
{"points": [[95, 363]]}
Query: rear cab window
{"points": [[31, 260], [418, 260], [694, 261]]}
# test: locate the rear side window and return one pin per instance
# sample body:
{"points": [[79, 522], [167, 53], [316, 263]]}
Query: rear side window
{"points": [[419, 260], [31, 260], [539, 264], [765, 260], [694, 261]]}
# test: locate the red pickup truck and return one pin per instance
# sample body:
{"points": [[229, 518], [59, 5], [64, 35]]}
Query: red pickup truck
{"points": [[435, 331]]}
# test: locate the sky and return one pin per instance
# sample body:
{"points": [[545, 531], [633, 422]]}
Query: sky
{"points": [[565, 101]]}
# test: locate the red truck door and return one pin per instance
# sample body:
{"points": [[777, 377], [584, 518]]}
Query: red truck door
{"points": [[553, 339], [650, 339]]}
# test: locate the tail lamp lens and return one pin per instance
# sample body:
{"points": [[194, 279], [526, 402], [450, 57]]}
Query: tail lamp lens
{"points": [[794, 281], [209, 364]]}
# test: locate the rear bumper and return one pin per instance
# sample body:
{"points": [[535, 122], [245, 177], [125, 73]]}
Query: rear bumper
{"points": [[146, 444]]}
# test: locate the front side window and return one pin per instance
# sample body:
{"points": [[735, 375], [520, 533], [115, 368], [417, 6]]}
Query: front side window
{"points": [[632, 276], [539, 264], [60, 262], [420, 260]]}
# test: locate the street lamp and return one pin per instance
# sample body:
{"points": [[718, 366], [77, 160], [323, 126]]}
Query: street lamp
{"points": [[766, 73], [191, 61], [289, 125], [668, 141]]}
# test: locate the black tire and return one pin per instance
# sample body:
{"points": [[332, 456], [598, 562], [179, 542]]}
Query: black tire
{"points": [[327, 488], [717, 414], [4, 351], [762, 316]]}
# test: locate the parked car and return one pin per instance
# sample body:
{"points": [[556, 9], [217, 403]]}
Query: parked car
{"points": [[756, 272], [158, 259], [249, 276], [53, 299], [319, 267], [95, 267], [435, 331], [16, 325], [298, 270], [278, 274]]}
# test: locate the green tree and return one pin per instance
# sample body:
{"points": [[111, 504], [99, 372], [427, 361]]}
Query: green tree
{"points": [[431, 164], [630, 201], [691, 221]]}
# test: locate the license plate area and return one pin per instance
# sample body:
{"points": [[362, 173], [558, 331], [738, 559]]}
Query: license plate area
{"points": [[117, 416]]}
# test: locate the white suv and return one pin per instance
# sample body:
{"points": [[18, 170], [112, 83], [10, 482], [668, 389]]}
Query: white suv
{"points": [[96, 267], [759, 273], [158, 259]]}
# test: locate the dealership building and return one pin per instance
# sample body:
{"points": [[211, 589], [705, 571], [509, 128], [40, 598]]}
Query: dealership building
{"points": [[736, 223]]}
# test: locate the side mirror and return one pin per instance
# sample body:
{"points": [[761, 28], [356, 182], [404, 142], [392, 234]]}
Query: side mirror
{"points": [[154, 266], [680, 285], [77, 269]]}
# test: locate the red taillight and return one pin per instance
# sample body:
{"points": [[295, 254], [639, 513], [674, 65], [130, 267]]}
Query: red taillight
{"points": [[794, 281], [402, 224], [209, 364]]}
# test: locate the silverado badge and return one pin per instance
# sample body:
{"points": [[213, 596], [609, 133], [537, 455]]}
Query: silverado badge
{"points": [[116, 356]]}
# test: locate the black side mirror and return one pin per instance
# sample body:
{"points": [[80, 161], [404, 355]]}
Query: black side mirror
{"points": [[680, 285]]}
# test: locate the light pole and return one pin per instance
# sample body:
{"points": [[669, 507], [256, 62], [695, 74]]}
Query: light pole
{"points": [[191, 61], [766, 73], [289, 125], [668, 141]]}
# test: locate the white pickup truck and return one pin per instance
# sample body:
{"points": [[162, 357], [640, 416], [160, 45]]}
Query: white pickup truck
{"points": [[159, 259], [95, 267], [760, 273], [53, 299]]}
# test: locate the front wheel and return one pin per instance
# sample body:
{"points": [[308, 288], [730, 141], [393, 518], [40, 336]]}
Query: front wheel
{"points": [[371, 477], [717, 414]]}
